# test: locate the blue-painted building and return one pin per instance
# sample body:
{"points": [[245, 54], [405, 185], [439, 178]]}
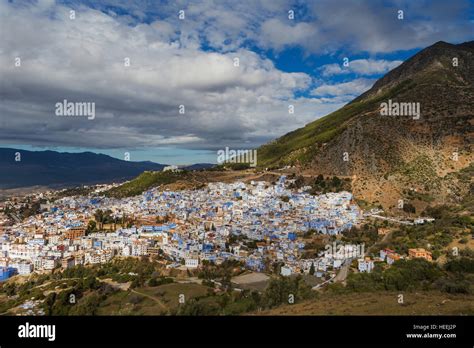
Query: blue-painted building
{"points": [[7, 272], [207, 247], [37, 241], [292, 235]]}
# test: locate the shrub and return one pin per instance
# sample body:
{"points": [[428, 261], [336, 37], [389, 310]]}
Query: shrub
{"points": [[460, 265]]}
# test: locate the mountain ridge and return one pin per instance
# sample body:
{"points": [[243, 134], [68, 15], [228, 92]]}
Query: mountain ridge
{"points": [[63, 169], [393, 156]]}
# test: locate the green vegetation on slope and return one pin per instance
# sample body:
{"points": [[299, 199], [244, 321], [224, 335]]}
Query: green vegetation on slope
{"points": [[320, 131], [281, 290], [451, 223], [324, 185], [86, 284], [97, 290], [456, 276], [74, 191], [420, 171], [146, 181]]}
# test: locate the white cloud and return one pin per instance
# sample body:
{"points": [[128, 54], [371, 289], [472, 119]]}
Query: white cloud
{"points": [[373, 26], [278, 34], [319, 26], [371, 66], [83, 60], [351, 88], [361, 67]]}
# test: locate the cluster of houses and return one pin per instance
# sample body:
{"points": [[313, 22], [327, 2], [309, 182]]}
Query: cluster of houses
{"points": [[257, 223], [367, 264], [328, 261]]}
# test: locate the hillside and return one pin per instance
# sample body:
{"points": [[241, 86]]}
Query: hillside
{"points": [[146, 181], [394, 157], [184, 179], [61, 169], [380, 303]]}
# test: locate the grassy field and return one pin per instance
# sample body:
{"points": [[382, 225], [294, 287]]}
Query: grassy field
{"points": [[159, 300], [381, 303]]}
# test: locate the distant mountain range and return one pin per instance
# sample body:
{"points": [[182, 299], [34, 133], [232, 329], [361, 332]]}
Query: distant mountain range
{"points": [[62, 169], [390, 157]]}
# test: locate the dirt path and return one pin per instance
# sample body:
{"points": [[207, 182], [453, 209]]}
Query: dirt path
{"points": [[54, 281], [342, 275], [151, 298]]}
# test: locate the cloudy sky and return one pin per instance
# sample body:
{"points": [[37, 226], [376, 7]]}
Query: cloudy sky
{"points": [[191, 61]]}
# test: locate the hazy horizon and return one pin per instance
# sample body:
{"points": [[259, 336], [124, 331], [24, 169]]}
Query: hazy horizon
{"points": [[171, 156]]}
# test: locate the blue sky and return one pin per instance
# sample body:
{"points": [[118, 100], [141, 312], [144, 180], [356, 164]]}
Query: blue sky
{"points": [[190, 62]]}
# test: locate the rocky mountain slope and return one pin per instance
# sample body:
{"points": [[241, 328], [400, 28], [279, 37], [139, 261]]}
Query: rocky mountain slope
{"points": [[421, 159]]}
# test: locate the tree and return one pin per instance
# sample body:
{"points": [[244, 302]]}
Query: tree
{"points": [[409, 208], [461, 265], [196, 308], [87, 306], [91, 227], [49, 302], [336, 182], [90, 283], [99, 217], [278, 291], [311, 269], [153, 282]]}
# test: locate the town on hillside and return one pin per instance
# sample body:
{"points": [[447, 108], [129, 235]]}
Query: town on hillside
{"points": [[258, 223]]}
